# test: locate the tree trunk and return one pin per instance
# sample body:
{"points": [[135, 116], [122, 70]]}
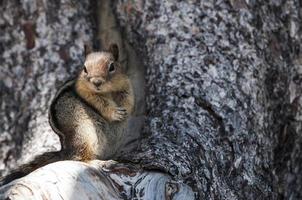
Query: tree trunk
{"points": [[41, 46], [223, 89], [224, 94]]}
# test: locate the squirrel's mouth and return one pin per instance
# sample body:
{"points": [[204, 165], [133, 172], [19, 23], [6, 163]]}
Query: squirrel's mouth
{"points": [[101, 89], [98, 89]]}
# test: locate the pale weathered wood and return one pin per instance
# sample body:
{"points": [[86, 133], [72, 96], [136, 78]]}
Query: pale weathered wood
{"points": [[96, 180]]}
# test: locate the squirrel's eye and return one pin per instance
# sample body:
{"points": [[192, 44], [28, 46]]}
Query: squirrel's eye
{"points": [[111, 67], [85, 69]]}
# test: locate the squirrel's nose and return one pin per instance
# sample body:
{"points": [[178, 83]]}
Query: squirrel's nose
{"points": [[97, 82]]}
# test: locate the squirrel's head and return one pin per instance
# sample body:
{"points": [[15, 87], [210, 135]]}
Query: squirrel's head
{"points": [[101, 69]]}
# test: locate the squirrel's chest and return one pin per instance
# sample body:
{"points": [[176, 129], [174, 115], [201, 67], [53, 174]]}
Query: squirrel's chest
{"points": [[104, 136], [118, 97]]}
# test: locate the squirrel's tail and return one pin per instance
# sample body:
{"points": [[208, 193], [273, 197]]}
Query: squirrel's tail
{"points": [[39, 161]]}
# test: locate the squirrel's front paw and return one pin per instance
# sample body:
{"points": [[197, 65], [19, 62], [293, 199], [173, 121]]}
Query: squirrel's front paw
{"points": [[119, 114]]}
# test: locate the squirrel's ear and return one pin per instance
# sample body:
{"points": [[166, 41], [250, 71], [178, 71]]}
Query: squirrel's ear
{"points": [[113, 48], [87, 49]]}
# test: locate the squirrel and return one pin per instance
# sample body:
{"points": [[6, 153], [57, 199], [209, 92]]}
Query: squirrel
{"points": [[88, 113]]}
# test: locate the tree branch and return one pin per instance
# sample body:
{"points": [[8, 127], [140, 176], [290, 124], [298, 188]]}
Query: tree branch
{"points": [[95, 180]]}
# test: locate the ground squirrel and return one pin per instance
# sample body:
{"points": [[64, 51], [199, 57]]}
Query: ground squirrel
{"points": [[88, 113]]}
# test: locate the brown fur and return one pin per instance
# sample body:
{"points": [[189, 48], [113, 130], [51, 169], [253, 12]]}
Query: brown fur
{"points": [[103, 98], [90, 119]]}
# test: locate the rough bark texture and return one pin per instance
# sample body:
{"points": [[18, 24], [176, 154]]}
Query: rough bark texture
{"points": [[223, 85], [41, 46], [223, 94]]}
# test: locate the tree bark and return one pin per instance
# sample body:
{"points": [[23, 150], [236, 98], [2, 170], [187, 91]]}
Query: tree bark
{"points": [[223, 92], [41, 46]]}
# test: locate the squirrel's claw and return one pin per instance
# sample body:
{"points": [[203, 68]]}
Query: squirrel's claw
{"points": [[119, 114]]}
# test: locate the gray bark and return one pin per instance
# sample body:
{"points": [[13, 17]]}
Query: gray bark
{"points": [[41, 46], [224, 94], [223, 87]]}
